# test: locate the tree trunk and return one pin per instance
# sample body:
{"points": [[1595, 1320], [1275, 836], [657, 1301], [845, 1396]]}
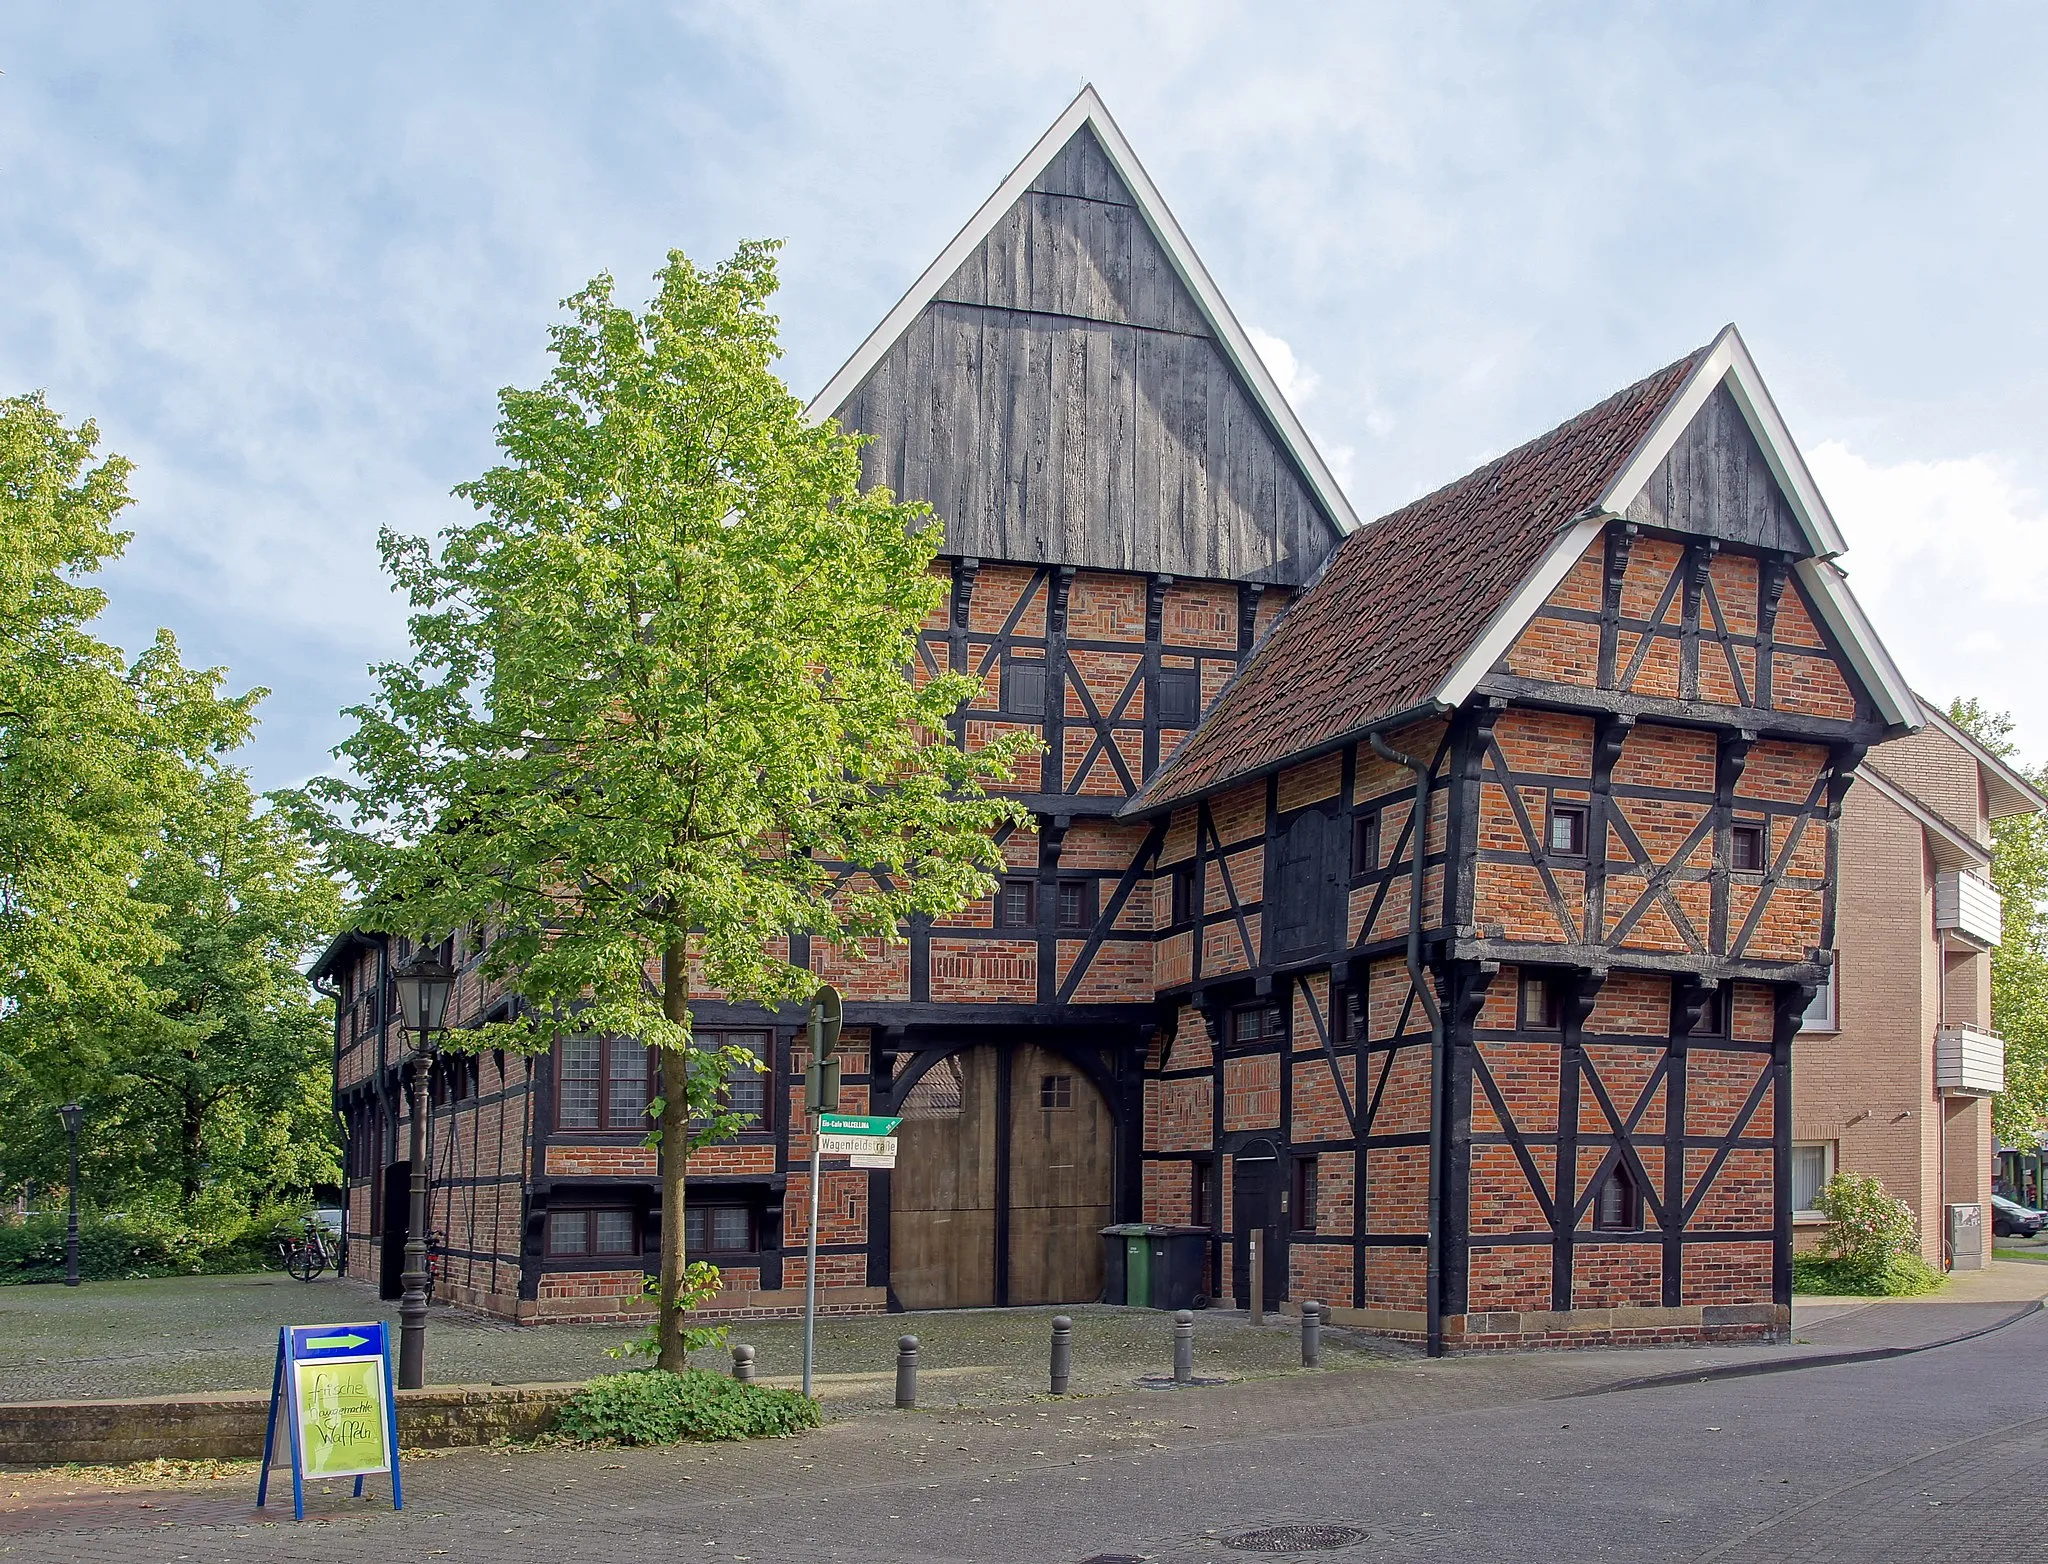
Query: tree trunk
{"points": [[191, 1146], [675, 1153]]}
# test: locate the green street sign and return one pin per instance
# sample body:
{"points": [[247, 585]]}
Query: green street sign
{"points": [[856, 1124]]}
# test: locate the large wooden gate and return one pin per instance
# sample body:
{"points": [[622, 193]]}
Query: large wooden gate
{"points": [[1002, 1182]]}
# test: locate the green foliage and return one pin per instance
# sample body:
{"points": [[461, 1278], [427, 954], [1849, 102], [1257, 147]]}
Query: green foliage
{"points": [[656, 1407], [153, 915], [701, 1283], [1871, 1245], [2019, 966], [657, 702], [146, 1243]]}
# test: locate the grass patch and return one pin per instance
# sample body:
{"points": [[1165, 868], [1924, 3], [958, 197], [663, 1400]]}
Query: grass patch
{"points": [[1902, 1276], [656, 1407]]}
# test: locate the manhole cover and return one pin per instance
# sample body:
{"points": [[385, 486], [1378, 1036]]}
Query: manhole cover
{"points": [[1297, 1539]]}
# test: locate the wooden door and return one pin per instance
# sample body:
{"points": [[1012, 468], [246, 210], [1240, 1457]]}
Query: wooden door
{"points": [[1062, 1141], [942, 1196], [1255, 1204]]}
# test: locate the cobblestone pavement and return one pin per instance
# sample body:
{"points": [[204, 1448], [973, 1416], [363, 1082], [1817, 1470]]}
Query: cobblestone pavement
{"points": [[176, 1335], [1933, 1456]]}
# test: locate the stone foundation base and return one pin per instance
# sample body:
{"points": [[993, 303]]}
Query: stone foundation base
{"points": [[1757, 1324]]}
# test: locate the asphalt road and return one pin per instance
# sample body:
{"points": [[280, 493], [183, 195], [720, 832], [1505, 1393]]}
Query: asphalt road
{"points": [[1940, 1455]]}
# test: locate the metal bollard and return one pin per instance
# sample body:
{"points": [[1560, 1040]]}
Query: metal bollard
{"points": [[906, 1371], [1311, 1334], [1062, 1353], [1183, 1347], [1255, 1278], [743, 1364]]}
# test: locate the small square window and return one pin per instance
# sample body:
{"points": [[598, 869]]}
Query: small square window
{"points": [[1024, 687], [1713, 1020], [1820, 1015], [1305, 1179], [1055, 1092], [1567, 834], [1254, 1023], [1184, 893], [1540, 1009], [1365, 843], [569, 1232], [614, 1232], [1618, 1208], [1017, 905], [1812, 1163], [718, 1229], [1746, 849], [1077, 904], [1180, 696]]}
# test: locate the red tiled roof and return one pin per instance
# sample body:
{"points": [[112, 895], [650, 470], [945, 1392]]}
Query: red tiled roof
{"points": [[1403, 600]]}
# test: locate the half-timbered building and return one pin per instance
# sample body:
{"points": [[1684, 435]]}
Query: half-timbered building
{"points": [[1437, 897]]}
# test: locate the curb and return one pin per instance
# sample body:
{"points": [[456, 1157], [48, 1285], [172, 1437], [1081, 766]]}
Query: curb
{"points": [[1805, 1361]]}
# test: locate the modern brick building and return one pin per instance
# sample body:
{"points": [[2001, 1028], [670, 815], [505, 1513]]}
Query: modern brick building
{"points": [[1895, 1069], [1523, 1081]]}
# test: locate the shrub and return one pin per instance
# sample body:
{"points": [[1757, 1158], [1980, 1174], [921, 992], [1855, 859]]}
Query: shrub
{"points": [[1871, 1245], [655, 1407], [146, 1242]]}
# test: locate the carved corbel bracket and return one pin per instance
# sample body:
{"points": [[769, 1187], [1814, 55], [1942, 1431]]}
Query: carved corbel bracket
{"points": [[1690, 997], [1056, 606], [964, 572]]}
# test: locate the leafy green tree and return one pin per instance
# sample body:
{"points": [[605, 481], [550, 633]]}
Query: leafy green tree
{"points": [[657, 699], [2019, 966], [97, 754]]}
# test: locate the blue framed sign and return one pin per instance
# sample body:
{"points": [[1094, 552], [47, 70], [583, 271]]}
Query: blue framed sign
{"points": [[333, 1385]]}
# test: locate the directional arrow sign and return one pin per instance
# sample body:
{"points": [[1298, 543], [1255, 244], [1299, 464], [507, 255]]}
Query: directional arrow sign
{"points": [[364, 1340], [335, 1343], [855, 1124]]}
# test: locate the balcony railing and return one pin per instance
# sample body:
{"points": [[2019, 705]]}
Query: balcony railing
{"points": [[1967, 905], [1968, 1062]]}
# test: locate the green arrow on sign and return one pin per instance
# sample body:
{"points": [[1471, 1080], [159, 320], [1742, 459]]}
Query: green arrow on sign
{"points": [[327, 1343]]}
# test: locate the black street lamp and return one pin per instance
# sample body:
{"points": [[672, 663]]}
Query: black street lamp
{"points": [[423, 987], [73, 1115]]}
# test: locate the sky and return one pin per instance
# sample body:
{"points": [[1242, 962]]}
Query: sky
{"points": [[286, 256]]}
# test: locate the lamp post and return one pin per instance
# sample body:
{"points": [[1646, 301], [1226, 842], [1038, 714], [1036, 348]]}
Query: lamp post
{"points": [[73, 1115], [423, 986]]}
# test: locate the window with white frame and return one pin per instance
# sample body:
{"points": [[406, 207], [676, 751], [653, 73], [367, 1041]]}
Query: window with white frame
{"points": [[1821, 1015], [1813, 1164]]}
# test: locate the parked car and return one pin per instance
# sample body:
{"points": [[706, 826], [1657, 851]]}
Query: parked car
{"points": [[2010, 1219]]}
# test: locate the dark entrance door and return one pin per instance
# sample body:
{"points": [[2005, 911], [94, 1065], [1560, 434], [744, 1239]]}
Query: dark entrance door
{"points": [[1255, 1205], [397, 1212]]}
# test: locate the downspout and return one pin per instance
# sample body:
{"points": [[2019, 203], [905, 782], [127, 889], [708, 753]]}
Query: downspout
{"points": [[1418, 979]]}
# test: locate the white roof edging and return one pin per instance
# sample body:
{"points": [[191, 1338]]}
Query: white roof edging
{"points": [[1514, 615], [1728, 360]]}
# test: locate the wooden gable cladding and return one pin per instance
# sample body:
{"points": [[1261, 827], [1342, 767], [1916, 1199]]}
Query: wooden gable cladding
{"points": [[1062, 399], [1689, 628], [1604, 835], [1716, 482]]}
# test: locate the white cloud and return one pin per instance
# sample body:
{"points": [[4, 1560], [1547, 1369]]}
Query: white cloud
{"points": [[1950, 557], [1296, 380]]}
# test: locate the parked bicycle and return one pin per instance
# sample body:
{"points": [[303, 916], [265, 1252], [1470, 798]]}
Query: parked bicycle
{"points": [[307, 1255]]}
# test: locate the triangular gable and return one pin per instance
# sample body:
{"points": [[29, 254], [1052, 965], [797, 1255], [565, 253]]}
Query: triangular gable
{"points": [[1065, 384], [1718, 461], [1689, 428]]}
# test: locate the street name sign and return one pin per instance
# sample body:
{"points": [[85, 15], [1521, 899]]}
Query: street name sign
{"points": [[857, 1145], [333, 1384], [856, 1124]]}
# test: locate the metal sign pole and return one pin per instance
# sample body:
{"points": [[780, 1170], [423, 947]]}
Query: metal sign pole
{"points": [[811, 1263]]}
